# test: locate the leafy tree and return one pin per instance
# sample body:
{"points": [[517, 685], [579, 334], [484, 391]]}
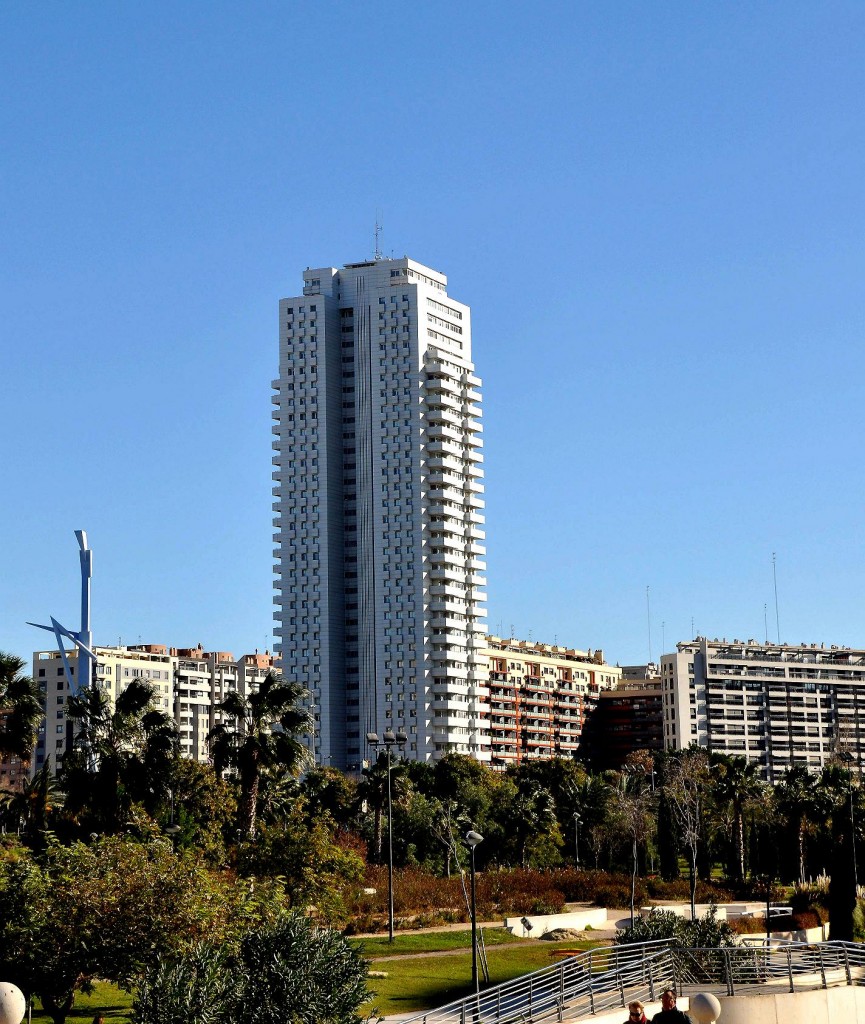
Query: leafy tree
{"points": [[20, 709], [85, 912], [301, 849], [533, 826], [205, 808], [262, 732], [328, 791]]}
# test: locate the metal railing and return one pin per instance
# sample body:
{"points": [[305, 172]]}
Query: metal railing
{"points": [[612, 976]]}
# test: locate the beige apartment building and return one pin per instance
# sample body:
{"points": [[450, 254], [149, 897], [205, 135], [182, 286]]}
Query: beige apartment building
{"points": [[539, 697], [189, 684], [775, 704]]}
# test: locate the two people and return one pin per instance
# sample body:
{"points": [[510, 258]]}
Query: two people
{"points": [[669, 1014]]}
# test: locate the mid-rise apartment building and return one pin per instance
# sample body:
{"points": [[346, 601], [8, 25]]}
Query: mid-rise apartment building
{"points": [[775, 704], [540, 696], [188, 683], [628, 718], [379, 556]]}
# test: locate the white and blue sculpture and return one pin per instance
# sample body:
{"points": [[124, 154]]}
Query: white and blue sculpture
{"points": [[83, 639]]}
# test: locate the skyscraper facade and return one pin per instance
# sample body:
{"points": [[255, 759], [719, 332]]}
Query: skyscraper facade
{"points": [[379, 561]]}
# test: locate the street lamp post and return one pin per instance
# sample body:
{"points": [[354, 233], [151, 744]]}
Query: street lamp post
{"points": [[577, 838], [473, 838], [172, 829], [389, 739]]}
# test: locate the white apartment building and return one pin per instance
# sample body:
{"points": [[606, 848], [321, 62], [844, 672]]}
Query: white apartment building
{"points": [[189, 683], [775, 704], [380, 600]]}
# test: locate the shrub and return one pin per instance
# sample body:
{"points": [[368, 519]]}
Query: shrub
{"points": [[706, 932], [296, 973], [197, 989], [290, 972]]}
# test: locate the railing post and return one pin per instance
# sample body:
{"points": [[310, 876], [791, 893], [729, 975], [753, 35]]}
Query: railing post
{"points": [[562, 993], [499, 1003], [728, 971], [619, 978], [847, 965], [822, 966], [652, 979], [591, 985], [790, 967], [463, 1013]]}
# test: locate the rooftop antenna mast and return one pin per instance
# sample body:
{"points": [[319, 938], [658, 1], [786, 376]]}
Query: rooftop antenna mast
{"points": [[378, 230], [649, 621], [83, 638]]}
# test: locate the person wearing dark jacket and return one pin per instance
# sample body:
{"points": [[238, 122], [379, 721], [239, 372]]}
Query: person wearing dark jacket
{"points": [[670, 1014], [636, 1013]]}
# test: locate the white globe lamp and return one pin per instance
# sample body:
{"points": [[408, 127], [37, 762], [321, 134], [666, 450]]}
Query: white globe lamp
{"points": [[703, 1008], [13, 1005]]}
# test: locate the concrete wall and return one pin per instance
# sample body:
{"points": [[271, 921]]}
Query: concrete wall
{"points": [[843, 1005]]}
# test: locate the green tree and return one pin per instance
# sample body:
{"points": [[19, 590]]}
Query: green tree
{"points": [[301, 849], [20, 709], [205, 808], [84, 912], [798, 799], [28, 809], [372, 793], [296, 973], [262, 731], [122, 754], [736, 782]]}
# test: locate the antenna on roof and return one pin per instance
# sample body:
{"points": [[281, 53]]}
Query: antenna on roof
{"points": [[649, 620], [377, 255]]}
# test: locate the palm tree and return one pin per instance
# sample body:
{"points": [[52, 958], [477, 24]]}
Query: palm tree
{"points": [[798, 800], [262, 732], [122, 752], [737, 784], [20, 709], [28, 809], [372, 791]]}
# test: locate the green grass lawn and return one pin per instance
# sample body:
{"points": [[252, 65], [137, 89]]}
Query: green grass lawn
{"points": [[425, 982], [107, 999], [430, 942]]}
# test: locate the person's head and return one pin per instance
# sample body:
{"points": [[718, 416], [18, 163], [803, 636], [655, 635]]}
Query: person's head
{"points": [[635, 1010], [668, 999]]}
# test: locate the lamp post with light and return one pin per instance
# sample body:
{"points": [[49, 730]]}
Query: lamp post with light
{"points": [[473, 838], [389, 739]]}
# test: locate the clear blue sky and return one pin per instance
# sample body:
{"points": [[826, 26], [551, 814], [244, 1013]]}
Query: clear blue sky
{"points": [[655, 211]]}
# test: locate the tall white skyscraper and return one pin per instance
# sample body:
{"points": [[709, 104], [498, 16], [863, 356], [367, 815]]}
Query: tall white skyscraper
{"points": [[380, 606]]}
